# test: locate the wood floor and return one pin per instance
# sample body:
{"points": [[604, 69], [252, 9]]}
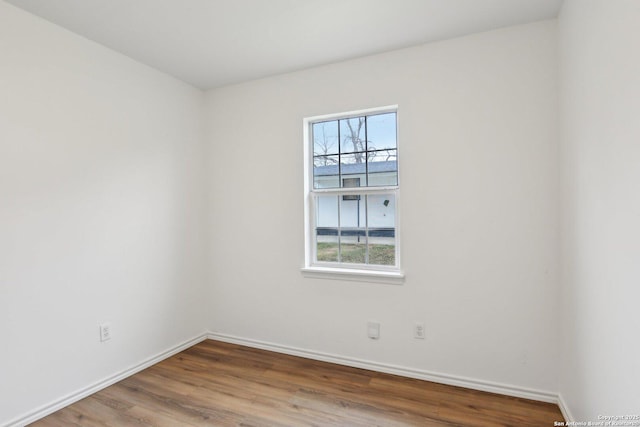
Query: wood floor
{"points": [[219, 384]]}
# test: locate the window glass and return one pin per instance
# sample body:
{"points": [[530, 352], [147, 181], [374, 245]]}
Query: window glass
{"points": [[352, 135], [326, 172], [327, 239], [382, 169], [325, 138], [381, 131], [352, 229], [381, 220]]}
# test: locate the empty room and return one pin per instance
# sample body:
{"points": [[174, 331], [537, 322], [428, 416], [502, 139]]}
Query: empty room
{"points": [[319, 213]]}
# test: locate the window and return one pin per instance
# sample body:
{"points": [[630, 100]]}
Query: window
{"points": [[351, 195]]}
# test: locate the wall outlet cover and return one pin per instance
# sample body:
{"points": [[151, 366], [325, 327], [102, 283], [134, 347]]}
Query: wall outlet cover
{"points": [[419, 331], [105, 332]]}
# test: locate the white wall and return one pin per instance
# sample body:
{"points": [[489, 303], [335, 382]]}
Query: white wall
{"points": [[479, 174], [600, 87], [103, 195], [101, 212], [103, 199]]}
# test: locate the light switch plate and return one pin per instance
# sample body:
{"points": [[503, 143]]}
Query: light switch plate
{"points": [[373, 330]]}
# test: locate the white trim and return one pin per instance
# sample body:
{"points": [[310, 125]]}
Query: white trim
{"points": [[367, 111], [454, 380], [67, 400], [309, 252], [339, 191], [564, 408], [372, 276]]}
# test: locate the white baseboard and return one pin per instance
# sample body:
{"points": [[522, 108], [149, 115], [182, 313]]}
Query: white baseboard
{"points": [[475, 384], [568, 417], [52, 407]]}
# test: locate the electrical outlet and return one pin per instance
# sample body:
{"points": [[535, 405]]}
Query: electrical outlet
{"points": [[105, 332], [418, 331]]}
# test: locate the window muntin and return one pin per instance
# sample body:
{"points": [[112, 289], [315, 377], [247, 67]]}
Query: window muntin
{"points": [[353, 191], [364, 146]]}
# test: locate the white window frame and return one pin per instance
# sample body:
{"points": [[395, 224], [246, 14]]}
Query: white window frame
{"points": [[346, 271]]}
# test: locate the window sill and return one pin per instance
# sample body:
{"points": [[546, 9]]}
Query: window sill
{"points": [[372, 276]]}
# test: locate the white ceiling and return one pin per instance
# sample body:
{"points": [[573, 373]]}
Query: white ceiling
{"points": [[210, 43]]}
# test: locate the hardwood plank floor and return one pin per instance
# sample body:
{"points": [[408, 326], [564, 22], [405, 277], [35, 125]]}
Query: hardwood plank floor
{"points": [[220, 384]]}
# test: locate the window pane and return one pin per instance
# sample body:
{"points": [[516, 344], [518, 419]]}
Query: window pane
{"points": [[325, 138], [381, 131], [350, 182], [382, 168], [327, 228], [352, 212], [352, 136], [353, 253], [382, 232], [352, 229], [325, 172], [353, 166]]}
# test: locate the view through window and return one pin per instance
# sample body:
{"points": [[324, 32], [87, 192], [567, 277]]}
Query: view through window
{"points": [[354, 190]]}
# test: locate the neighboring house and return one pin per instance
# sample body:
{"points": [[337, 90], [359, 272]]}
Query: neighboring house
{"points": [[351, 211]]}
